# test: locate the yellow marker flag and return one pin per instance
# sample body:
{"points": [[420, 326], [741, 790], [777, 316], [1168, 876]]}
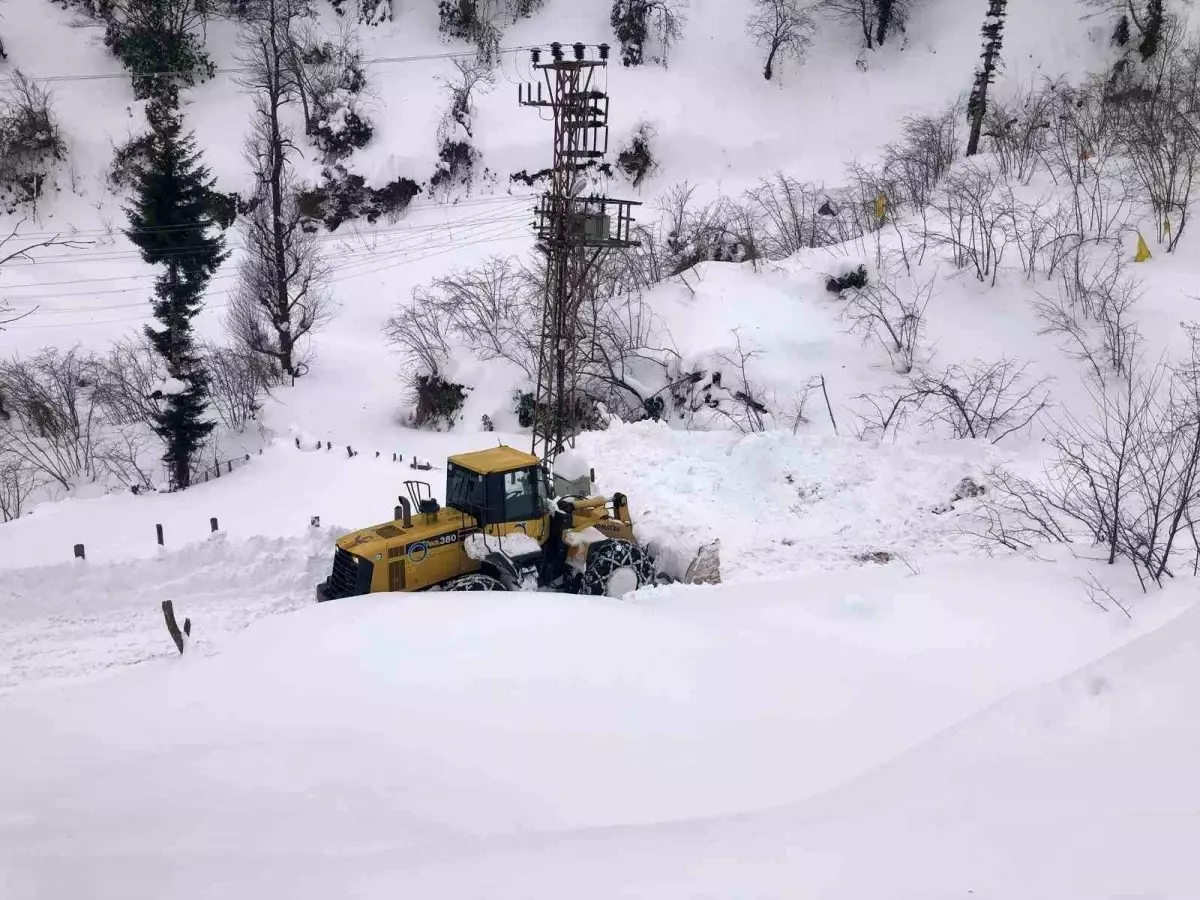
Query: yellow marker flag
{"points": [[1143, 252], [880, 207]]}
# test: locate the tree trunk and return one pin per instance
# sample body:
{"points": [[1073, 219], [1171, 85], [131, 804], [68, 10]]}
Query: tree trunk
{"points": [[282, 312], [885, 10], [769, 69], [979, 109]]}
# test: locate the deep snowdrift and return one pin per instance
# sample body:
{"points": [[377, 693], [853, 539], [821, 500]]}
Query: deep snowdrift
{"points": [[533, 745]]}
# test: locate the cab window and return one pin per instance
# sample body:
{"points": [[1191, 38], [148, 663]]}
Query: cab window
{"points": [[520, 493]]}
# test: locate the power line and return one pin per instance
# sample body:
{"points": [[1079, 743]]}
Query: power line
{"points": [[242, 70], [102, 232], [366, 255], [443, 248], [113, 255]]}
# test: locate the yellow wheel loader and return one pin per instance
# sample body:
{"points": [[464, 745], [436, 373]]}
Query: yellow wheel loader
{"points": [[502, 528]]}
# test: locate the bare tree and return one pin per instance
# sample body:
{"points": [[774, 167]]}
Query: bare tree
{"points": [[993, 40], [876, 18], [1017, 130], [783, 27], [282, 294]]}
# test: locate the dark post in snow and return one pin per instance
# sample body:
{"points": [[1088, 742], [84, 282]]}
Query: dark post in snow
{"points": [[159, 530], [993, 40], [79, 552], [168, 609], [212, 523]]}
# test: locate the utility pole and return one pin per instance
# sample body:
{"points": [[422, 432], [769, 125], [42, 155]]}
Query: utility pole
{"points": [[574, 232]]}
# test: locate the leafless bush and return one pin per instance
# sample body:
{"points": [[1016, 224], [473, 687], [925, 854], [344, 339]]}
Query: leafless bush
{"points": [[1083, 154], [1017, 131], [18, 481], [975, 217], [925, 154], [983, 402], [796, 215], [1128, 475], [1159, 129], [494, 310], [238, 380], [733, 394], [1093, 310], [891, 310], [55, 424], [31, 143], [125, 381], [692, 232]]}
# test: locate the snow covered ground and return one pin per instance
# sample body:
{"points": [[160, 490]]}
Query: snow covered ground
{"points": [[869, 706]]}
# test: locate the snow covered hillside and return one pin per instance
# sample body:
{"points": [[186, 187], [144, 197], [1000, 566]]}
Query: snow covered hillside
{"points": [[941, 413]]}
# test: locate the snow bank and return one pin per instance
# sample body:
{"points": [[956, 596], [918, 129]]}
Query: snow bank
{"points": [[530, 745]]}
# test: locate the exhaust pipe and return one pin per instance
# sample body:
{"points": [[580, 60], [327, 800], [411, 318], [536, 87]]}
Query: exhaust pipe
{"points": [[403, 512]]}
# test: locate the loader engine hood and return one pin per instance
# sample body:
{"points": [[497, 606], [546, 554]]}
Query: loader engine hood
{"points": [[375, 542]]}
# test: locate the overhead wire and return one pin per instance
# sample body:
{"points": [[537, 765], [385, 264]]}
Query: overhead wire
{"points": [[441, 249]]}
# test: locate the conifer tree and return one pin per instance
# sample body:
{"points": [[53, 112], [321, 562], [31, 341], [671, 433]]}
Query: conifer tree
{"points": [[993, 40], [169, 224]]}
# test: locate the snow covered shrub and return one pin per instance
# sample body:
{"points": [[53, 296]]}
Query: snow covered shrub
{"points": [[852, 279], [635, 159], [924, 155], [153, 36], [974, 210], [335, 79], [56, 422], [890, 311], [690, 233], [474, 21], [796, 215], [18, 480], [370, 12], [437, 402], [636, 22], [31, 144], [457, 155], [238, 380], [126, 160], [342, 196], [586, 415], [494, 312]]}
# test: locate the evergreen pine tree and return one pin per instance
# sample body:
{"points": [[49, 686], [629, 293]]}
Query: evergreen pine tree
{"points": [[885, 11], [993, 40], [169, 224]]}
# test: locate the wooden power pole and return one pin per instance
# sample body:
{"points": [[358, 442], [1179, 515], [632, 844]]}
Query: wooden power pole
{"points": [[574, 232]]}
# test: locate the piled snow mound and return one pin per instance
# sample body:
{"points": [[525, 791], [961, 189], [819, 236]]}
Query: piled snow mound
{"points": [[784, 503], [449, 746]]}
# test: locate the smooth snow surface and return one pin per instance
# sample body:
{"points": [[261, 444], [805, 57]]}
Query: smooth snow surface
{"points": [[869, 707]]}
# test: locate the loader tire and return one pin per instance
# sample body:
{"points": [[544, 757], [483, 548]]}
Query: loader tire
{"points": [[615, 568], [475, 582]]}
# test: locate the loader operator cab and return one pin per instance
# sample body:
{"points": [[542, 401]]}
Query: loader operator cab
{"points": [[498, 497]]}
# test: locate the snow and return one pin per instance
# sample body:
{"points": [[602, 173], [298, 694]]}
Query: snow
{"points": [[571, 465], [479, 545], [869, 705]]}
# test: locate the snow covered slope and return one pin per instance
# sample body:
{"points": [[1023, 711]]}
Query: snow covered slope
{"points": [[868, 707], [805, 738]]}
